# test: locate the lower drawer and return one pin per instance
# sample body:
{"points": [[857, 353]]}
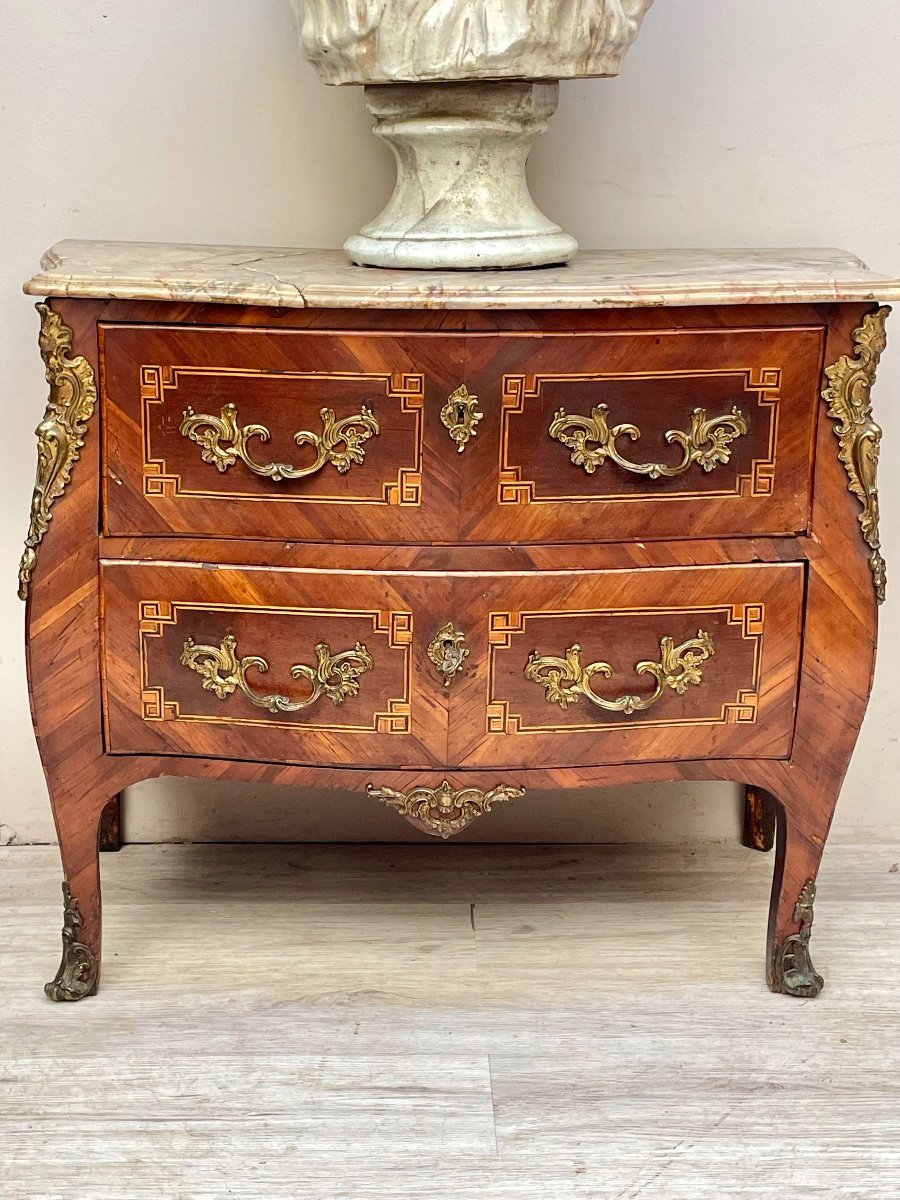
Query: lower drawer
{"points": [[269, 665], [558, 668], [589, 668]]}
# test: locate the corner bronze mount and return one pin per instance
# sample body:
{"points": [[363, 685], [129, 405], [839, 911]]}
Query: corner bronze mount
{"points": [[73, 397], [849, 399], [444, 810], [78, 970], [792, 970]]}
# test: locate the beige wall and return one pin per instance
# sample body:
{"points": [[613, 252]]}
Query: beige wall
{"points": [[739, 123]]}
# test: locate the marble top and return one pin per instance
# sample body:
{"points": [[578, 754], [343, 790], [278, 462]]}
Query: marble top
{"points": [[325, 279]]}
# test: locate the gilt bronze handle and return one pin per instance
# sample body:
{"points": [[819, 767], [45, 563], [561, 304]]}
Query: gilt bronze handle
{"points": [[566, 680], [447, 650], [334, 676], [223, 441], [592, 441]]}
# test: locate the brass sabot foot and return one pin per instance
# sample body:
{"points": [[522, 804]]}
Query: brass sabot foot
{"points": [[78, 969], [792, 972]]}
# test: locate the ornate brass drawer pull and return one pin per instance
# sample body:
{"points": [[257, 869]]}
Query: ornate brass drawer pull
{"points": [[707, 443], [223, 441], [460, 416], [444, 810], [334, 676], [565, 680], [447, 650]]}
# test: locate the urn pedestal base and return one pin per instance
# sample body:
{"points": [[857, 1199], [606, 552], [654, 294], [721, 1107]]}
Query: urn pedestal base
{"points": [[461, 199]]}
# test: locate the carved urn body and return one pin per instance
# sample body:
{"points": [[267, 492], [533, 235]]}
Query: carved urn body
{"points": [[459, 89]]}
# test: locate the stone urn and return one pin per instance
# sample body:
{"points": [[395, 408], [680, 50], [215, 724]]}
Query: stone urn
{"points": [[459, 89]]}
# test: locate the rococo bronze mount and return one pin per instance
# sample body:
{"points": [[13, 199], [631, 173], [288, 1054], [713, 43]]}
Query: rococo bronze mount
{"points": [[521, 538]]}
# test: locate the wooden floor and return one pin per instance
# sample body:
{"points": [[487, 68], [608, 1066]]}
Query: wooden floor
{"points": [[475, 1023]]}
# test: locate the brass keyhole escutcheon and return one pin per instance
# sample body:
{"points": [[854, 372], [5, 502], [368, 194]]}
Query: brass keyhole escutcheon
{"points": [[460, 416], [448, 651]]}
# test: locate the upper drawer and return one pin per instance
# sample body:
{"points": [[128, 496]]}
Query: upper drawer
{"points": [[609, 435], [602, 435], [457, 670], [247, 432]]}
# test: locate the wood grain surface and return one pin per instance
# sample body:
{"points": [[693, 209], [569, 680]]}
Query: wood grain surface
{"points": [[491, 714], [156, 481], [157, 704], [284, 1022], [743, 706], [523, 485], [510, 485]]}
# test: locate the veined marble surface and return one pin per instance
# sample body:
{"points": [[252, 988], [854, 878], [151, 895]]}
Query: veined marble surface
{"points": [[324, 278], [391, 41]]}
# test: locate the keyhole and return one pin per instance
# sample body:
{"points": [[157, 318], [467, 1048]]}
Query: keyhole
{"points": [[460, 413]]}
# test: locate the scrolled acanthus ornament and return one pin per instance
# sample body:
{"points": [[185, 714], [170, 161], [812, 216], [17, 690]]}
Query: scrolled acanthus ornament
{"points": [[78, 969], [849, 399], [443, 810], [73, 397], [792, 970]]}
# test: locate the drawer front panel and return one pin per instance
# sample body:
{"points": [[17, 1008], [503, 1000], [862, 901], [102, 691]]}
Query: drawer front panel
{"points": [[270, 665], [619, 666], [647, 435], [287, 434]]}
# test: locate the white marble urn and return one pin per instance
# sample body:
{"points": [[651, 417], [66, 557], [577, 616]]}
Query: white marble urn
{"points": [[459, 89]]}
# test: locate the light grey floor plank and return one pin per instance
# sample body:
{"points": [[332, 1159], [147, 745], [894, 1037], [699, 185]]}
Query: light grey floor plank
{"points": [[481, 1023]]}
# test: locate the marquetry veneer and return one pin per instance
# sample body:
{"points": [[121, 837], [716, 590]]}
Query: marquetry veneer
{"points": [[518, 484], [448, 555]]}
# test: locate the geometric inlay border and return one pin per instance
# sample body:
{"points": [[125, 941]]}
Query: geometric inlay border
{"points": [[759, 481], [504, 626], [408, 390], [395, 627]]}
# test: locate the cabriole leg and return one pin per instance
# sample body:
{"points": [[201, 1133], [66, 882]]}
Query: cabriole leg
{"points": [[759, 819], [111, 826], [78, 826], [799, 847]]}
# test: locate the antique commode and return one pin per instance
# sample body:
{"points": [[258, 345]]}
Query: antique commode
{"points": [[449, 536]]}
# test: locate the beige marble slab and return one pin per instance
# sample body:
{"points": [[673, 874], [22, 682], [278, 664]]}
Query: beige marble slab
{"points": [[324, 279]]}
